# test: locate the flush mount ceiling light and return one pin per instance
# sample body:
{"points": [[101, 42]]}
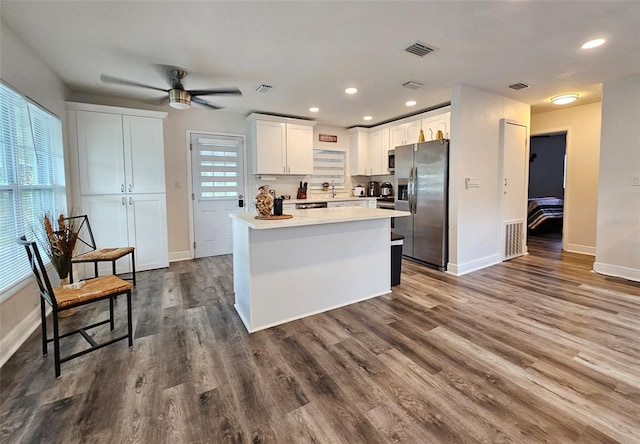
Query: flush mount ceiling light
{"points": [[564, 99], [410, 103], [179, 99], [314, 109], [351, 90], [593, 44], [367, 117]]}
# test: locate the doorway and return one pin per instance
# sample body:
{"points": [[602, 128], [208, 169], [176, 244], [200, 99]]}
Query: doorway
{"points": [[217, 167], [547, 182]]}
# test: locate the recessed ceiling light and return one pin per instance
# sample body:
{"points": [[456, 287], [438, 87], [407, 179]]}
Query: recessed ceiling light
{"points": [[314, 109], [564, 99], [367, 117], [351, 90], [593, 44], [410, 103]]}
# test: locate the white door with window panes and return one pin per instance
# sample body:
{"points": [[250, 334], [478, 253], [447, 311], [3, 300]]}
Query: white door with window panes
{"points": [[217, 164]]}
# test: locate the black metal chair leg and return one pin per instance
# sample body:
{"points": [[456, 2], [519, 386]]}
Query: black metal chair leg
{"points": [[56, 342], [129, 323], [71, 272], [95, 268], [133, 267], [43, 320], [111, 324]]}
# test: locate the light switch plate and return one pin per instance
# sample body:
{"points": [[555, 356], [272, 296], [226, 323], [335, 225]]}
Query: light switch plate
{"points": [[472, 182], [635, 181]]}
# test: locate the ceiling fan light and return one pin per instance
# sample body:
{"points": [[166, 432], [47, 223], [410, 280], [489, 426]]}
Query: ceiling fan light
{"points": [[179, 99], [564, 99]]}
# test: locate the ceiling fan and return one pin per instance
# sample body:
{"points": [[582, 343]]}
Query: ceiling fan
{"points": [[179, 98]]}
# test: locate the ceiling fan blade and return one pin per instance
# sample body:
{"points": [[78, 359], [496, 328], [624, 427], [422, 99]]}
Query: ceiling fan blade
{"points": [[110, 79], [216, 92], [205, 103]]}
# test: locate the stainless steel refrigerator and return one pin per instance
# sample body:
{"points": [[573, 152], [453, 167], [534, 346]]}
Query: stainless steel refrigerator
{"points": [[421, 187]]}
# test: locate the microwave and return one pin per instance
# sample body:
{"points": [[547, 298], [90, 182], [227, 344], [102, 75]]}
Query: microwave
{"points": [[391, 162]]}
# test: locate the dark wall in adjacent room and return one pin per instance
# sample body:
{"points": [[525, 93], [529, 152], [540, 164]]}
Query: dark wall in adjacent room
{"points": [[546, 165]]}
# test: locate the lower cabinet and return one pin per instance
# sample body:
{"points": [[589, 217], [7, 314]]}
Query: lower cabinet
{"points": [[349, 203], [129, 220]]}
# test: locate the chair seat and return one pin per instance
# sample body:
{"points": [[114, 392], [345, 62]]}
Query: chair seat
{"points": [[103, 254], [93, 289]]}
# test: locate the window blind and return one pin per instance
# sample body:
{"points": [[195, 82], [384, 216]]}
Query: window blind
{"points": [[328, 166], [218, 168], [31, 178]]}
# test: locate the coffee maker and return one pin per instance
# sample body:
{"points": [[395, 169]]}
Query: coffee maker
{"points": [[373, 189]]}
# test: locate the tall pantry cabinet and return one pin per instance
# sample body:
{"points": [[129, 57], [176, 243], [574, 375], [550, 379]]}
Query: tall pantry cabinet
{"points": [[117, 167]]}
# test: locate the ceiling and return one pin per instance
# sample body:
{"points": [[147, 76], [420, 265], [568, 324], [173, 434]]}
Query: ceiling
{"points": [[311, 51]]}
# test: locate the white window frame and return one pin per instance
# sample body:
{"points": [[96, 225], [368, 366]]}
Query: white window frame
{"points": [[32, 160]]}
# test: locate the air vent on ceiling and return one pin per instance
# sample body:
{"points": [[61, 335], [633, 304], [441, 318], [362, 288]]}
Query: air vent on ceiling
{"points": [[419, 49], [264, 88], [411, 84], [518, 86]]}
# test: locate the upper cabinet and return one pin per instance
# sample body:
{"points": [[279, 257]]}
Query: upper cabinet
{"points": [[281, 145], [359, 164], [378, 151], [405, 133], [119, 153], [431, 126]]}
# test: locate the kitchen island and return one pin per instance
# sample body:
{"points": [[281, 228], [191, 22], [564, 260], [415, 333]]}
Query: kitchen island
{"points": [[316, 261]]}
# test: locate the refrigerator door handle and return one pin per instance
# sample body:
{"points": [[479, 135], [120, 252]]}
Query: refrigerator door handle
{"points": [[412, 190]]}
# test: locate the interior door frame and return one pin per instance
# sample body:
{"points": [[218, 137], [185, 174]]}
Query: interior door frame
{"points": [[245, 184], [566, 217]]}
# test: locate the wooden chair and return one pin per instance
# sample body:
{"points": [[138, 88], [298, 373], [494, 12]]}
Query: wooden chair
{"points": [[61, 299], [96, 255]]}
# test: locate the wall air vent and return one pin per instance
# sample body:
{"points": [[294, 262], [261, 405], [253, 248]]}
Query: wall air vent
{"points": [[513, 239], [411, 84], [264, 88], [419, 49], [518, 86]]}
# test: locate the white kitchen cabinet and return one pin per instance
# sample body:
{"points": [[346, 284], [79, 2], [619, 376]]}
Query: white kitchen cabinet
{"points": [[118, 168], [281, 145], [364, 203], [359, 164], [138, 220], [405, 133], [378, 151], [431, 125], [118, 153]]}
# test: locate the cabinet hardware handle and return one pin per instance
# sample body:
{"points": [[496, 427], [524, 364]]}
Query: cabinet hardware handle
{"points": [[130, 201], [130, 187], [123, 202], [122, 188]]}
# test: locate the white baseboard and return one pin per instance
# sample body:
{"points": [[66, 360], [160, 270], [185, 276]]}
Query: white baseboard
{"points": [[616, 270], [180, 256], [478, 264], [20, 333], [582, 249]]}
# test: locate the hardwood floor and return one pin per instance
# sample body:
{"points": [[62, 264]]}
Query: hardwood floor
{"points": [[537, 349]]}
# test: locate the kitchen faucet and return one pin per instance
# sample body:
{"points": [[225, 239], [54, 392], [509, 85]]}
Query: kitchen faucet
{"points": [[333, 189]]}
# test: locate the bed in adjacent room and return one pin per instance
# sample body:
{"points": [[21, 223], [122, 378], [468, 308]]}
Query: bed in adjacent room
{"points": [[544, 210]]}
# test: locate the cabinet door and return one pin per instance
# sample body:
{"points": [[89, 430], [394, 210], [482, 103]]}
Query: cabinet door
{"points": [[375, 153], [143, 154], [299, 149], [359, 153], [413, 131], [147, 224], [108, 219], [270, 144], [100, 153], [397, 136], [384, 141]]}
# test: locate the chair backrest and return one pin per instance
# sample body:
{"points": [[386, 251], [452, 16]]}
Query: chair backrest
{"points": [[85, 235], [39, 271]]}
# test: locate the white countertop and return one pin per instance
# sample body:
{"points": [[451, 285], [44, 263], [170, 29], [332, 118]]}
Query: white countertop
{"points": [[318, 216]]}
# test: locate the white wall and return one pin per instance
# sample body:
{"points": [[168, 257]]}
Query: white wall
{"points": [[618, 217], [22, 70], [582, 124], [474, 221]]}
